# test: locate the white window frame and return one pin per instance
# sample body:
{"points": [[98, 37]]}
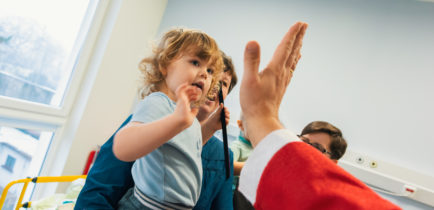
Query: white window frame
{"points": [[63, 120], [24, 107]]}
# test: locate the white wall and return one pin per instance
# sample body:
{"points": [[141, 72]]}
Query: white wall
{"points": [[113, 91], [367, 67]]}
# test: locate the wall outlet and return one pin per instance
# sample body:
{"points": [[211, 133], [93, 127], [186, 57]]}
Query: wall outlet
{"points": [[360, 160]]}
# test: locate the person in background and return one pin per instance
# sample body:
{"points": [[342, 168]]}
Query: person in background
{"points": [[326, 138], [322, 135], [283, 172], [241, 149]]}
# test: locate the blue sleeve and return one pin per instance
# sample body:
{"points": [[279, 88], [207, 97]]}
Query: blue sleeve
{"points": [[224, 198], [108, 179]]}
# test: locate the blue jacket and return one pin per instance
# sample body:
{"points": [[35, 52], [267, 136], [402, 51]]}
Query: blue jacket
{"points": [[216, 190], [109, 179]]}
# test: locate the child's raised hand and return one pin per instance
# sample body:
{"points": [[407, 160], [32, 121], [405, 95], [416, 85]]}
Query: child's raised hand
{"points": [[187, 94]]}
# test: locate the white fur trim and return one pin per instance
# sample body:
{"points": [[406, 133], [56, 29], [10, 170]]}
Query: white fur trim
{"points": [[261, 155]]}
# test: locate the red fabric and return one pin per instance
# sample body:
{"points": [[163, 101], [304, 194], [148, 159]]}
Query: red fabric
{"points": [[300, 177], [90, 160]]}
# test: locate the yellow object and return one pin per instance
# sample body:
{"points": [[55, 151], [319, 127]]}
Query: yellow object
{"points": [[42, 179]]}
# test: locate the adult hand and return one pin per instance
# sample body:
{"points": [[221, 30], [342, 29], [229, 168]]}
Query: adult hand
{"points": [[213, 123], [261, 92], [214, 119]]}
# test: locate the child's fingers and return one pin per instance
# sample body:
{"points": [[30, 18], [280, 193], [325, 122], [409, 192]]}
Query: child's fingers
{"points": [[193, 90], [193, 93], [188, 92], [181, 91], [195, 110]]}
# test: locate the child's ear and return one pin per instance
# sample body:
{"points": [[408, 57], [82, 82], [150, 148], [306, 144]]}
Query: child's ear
{"points": [[163, 70]]}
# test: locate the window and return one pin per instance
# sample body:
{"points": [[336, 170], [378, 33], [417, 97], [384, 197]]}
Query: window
{"points": [[37, 48], [43, 49], [10, 163]]}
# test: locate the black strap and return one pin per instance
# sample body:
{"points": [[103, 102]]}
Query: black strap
{"points": [[225, 135]]}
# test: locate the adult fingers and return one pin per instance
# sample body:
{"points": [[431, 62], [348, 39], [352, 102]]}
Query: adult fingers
{"points": [[227, 113], [294, 64], [220, 107], [251, 62], [291, 69], [295, 53], [284, 49], [227, 116]]}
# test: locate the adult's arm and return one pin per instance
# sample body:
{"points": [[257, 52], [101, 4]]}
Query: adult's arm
{"points": [[280, 174], [285, 173]]}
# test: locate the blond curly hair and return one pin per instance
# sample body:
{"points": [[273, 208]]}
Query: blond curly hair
{"points": [[173, 44]]}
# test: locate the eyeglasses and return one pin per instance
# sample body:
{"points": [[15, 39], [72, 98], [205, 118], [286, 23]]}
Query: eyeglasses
{"points": [[319, 147]]}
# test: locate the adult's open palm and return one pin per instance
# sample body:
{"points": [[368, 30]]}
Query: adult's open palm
{"points": [[262, 92]]}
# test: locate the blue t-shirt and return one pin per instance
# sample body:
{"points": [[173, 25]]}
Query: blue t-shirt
{"points": [[172, 173], [109, 179], [216, 189]]}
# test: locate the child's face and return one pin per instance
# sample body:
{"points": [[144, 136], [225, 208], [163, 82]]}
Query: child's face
{"points": [[189, 69]]}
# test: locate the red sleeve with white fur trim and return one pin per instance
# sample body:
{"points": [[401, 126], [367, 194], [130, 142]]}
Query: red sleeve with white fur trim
{"points": [[300, 177]]}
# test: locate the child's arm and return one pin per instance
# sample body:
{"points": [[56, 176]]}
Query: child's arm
{"points": [[138, 139], [237, 167], [236, 151], [213, 123]]}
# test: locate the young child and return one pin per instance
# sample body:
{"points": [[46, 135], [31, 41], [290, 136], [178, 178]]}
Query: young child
{"points": [[241, 149], [164, 136]]}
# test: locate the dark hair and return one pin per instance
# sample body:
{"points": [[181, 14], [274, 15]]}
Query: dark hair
{"points": [[229, 67], [338, 144]]}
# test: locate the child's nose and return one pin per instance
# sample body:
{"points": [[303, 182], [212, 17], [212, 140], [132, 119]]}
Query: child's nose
{"points": [[204, 73]]}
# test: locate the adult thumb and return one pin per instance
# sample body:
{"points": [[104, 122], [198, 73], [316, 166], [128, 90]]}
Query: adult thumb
{"points": [[252, 58]]}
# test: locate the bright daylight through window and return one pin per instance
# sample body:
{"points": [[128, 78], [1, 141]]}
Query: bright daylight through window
{"points": [[40, 42], [36, 42]]}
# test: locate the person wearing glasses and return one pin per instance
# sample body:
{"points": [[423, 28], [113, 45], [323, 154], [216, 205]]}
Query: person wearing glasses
{"points": [[321, 135], [283, 172], [326, 138]]}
